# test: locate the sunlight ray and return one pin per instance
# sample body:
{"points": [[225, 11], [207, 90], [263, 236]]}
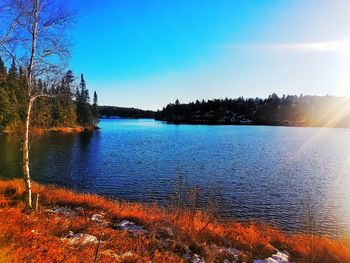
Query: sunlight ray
{"points": [[340, 111]]}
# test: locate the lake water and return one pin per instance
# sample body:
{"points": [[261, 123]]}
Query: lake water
{"points": [[253, 172]]}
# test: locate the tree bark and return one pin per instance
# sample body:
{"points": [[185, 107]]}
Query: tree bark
{"points": [[26, 171], [42, 52], [25, 158]]}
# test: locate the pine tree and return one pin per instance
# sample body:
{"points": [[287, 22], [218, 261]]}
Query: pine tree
{"points": [[70, 112], [20, 88], [3, 72], [8, 111], [42, 109], [12, 75], [84, 114], [69, 80], [95, 112]]}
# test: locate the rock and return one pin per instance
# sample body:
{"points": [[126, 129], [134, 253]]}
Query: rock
{"points": [[131, 227], [80, 238]]}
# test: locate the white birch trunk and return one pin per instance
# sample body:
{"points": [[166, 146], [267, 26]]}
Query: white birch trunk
{"points": [[26, 171], [25, 158]]}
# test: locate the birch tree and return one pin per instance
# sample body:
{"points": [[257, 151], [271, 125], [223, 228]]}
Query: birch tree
{"points": [[34, 33]]}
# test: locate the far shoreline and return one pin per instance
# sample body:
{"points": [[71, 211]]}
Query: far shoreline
{"points": [[208, 123]]}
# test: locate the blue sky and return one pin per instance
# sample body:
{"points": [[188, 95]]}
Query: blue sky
{"points": [[147, 53]]}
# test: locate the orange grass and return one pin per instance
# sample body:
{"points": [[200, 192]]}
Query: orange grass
{"points": [[74, 129], [37, 237]]}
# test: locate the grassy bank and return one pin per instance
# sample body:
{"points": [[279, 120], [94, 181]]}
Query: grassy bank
{"points": [[162, 235], [74, 129], [17, 130]]}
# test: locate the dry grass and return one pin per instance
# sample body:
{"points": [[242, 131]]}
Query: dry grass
{"points": [[37, 237], [74, 129], [17, 130]]}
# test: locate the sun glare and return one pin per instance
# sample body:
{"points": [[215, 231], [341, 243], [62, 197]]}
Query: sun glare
{"points": [[341, 46]]}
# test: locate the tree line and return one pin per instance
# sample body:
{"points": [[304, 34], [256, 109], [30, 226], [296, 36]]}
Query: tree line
{"points": [[124, 112], [67, 103], [34, 91], [293, 110]]}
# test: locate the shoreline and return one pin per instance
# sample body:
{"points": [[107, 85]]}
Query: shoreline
{"points": [[59, 129], [69, 225], [215, 123], [73, 129], [81, 129]]}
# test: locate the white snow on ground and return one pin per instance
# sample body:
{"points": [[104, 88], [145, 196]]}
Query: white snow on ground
{"points": [[63, 210], [279, 257], [192, 257], [219, 250], [112, 254], [136, 230], [230, 252], [131, 227], [99, 219], [80, 238]]}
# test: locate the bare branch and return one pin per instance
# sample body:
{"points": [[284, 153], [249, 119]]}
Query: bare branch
{"points": [[42, 95], [36, 39], [9, 31]]}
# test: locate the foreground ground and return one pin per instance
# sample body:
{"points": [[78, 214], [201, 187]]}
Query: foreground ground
{"points": [[71, 227]]}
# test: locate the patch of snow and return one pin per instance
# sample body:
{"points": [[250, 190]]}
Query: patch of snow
{"points": [[233, 252], [63, 210], [169, 231], [128, 254], [99, 219], [163, 243], [110, 253], [279, 257], [131, 227], [196, 259], [80, 238], [34, 231], [192, 257]]}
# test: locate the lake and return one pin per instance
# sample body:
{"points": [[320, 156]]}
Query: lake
{"points": [[273, 174]]}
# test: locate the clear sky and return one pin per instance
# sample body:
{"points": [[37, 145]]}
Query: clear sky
{"points": [[147, 53]]}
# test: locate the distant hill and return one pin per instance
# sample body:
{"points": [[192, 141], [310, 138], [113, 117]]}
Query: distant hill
{"points": [[291, 110], [121, 112]]}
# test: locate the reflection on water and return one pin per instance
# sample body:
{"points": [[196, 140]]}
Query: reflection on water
{"points": [[267, 173]]}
